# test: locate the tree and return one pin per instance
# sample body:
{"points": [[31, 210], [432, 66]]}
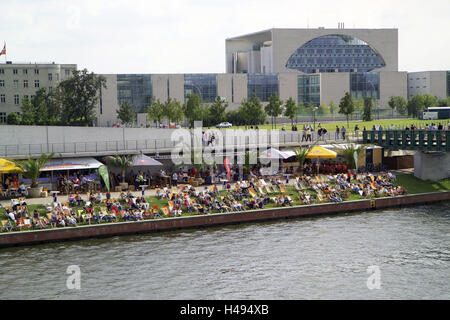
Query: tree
{"points": [[79, 96], [13, 118], [27, 110], [302, 152], [31, 168], [348, 153], [415, 105], [252, 111], [398, 103], [367, 113], [193, 110], [126, 113], [323, 109], [429, 100], [121, 162], [290, 110], [274, 107], [359, 105], [346, 106], [443, 102], [216, 111], [173, 110], [332, 107], [155, 111]]}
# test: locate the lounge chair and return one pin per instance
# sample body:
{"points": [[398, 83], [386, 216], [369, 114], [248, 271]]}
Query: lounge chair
{"points": [[282, 188]]}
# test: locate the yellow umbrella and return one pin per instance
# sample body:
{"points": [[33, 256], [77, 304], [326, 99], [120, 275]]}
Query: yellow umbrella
{"points": [[319, 152], [8, 166]]}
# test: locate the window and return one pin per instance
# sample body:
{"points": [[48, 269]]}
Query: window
{"points": [[135, 89], [15, 84], [25, 83], [2, 117], [308, 89], [25, 97], [57, 76], [2, 71], [50, 89], [36, 83], [2, 83], [365, 85], [2, 98], [203, 85], [25, 71], [50, 77], [16, 99], [36, 71], [67, 73], [15, 71], [262, 85]]}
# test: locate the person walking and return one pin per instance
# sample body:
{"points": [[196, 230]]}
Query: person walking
{"points": [[308, 134]]}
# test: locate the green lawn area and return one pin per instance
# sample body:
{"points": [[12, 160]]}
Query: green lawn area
{"points": [[331, 126], [414, 185]]}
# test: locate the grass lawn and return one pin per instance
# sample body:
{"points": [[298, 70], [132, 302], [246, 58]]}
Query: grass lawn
{"points": [[331, 126], [414, 185]]}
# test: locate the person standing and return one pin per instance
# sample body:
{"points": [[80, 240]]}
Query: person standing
{"points": [[343, 132], [336, 135], [308, 134], [356, 131], [175, 178]]}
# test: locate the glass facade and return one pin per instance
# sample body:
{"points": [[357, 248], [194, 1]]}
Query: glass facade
{"points": [[136, 89], [448, 83], [262, 85], [203, 85], [335, 53], [365, 85], [309, 89]]}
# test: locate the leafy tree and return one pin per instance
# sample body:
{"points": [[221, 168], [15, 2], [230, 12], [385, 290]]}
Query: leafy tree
{"points": [[173, 110], [252, 111], [31, 168], [126, 113], [216, 111], [346, 106], [155, 111], [193, 109], [301, 108], [290, 110], [41, 114], [301, 153], [13, 118], [79, 96], [367, 113], [398, 103], [415, 105], [349, 151], [27, 110], [443, 102], [234, 117], [323, 109], [333, 108], [274, 108], [429, 100]]}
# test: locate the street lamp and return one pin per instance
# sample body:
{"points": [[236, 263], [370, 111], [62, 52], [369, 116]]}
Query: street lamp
{"points": [[314, 115], [376, 105]]}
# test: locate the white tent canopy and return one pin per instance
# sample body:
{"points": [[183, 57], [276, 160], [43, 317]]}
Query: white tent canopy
{"points": [[273, 153], [72, 164]]}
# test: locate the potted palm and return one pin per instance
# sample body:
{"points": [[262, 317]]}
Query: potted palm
{"points": [[32, 170], [123, 163]]}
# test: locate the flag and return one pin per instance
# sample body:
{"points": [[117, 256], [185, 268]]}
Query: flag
{"points": [[103, 171], [226, 163], [4, 50]]}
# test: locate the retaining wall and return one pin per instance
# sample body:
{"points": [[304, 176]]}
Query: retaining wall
{"points": [[114, 229]]}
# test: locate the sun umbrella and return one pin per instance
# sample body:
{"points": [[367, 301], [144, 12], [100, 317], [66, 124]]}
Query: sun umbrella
{"points": [[143, 161], [319, 152], [8, 166], [273, 153]]}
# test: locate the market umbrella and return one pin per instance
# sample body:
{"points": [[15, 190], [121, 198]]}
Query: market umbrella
{"points": [[319, 152], [143, 161], [7, 166], [273, 153]]}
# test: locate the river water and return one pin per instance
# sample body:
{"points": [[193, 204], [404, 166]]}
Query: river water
{"points": [[406, 250]]}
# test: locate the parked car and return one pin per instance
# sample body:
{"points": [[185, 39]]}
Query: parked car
{"points": [[224, 125]]}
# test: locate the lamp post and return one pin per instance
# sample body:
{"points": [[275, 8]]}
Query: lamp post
{"points": [[376, 105], [314, 115]]}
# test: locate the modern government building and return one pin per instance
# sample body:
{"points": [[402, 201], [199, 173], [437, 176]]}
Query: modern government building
{"points": [[309, 65]]}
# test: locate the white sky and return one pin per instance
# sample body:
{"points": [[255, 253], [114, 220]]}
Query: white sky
{"points": [[188, 36]]}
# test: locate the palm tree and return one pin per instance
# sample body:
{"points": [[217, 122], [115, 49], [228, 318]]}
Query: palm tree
{"points": [[349, 151], [32, 168], [121, 162], [302, 152]]}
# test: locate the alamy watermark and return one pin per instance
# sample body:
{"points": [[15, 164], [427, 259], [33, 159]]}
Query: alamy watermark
{"points": [[73, 281], [374, 280]]}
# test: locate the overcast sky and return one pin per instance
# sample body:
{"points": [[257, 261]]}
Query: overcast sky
{"points": [[188, 36]]}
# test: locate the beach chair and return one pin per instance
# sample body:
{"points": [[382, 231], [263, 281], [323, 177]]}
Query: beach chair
{"points": [[6, 225], [282, 188], [27, 223], [320, 197], [268, 189], [165, 211], [252, 192], [174, 190], [296, 186], [261, 191], [263, 182]]}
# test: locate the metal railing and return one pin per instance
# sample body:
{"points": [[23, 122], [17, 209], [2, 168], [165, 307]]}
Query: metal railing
{"points": [[421, 140], [285, 138]]}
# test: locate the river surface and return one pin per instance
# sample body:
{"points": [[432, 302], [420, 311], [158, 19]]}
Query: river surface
{"points": [[407, 252]]}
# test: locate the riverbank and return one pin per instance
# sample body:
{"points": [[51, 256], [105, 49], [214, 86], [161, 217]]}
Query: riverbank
{"points": [[215, 219]]}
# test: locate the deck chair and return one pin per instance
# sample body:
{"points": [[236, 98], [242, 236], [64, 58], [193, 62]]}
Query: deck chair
{"points": [[6, 225], [174, 190], [320, 197], [27, 223], [165, 211], [268, 189], [252, 192], [282, 188], [296, 186], [261, 190], [263, 182]]}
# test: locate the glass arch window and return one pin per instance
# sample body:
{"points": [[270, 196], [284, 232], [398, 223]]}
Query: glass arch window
{"points": [[341, 52]]}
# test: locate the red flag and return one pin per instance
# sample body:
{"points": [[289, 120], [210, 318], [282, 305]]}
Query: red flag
{"points": [[226, 163], [4, 50]]}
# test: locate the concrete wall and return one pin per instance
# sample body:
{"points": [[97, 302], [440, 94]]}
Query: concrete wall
{"points": [[159, 87], [432, 166], [176, 87], [108, 114], [286, 41], [438, 84], [333, 87], [392, 84], [224, 88], [288, 86]]}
